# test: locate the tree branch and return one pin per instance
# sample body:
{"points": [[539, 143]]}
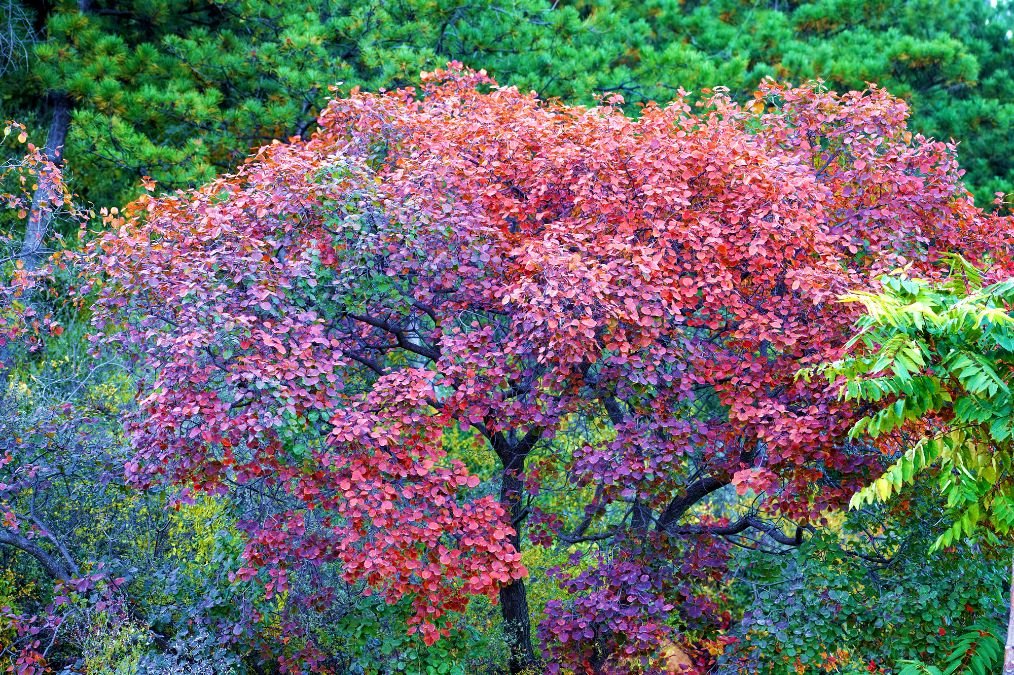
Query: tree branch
{"points": [[400, 335], [52, 566], [742, 525], [372, 365], [694, 493], [48, 534]]}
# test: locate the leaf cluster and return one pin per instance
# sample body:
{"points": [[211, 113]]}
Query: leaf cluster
{"points": [[935, 364]]}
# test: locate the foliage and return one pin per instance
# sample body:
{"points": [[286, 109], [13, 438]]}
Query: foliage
{"points": [[978, 651], [948, 60], [23, 167], [90, 577], [936, 363], [862, 594], [180, 91], [466, 255], [369, 635]]}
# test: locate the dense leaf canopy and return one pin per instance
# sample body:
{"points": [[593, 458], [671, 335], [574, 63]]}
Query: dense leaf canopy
{"points": [[612, 307]]}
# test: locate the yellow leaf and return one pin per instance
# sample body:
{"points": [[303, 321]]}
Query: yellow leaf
{"points": [[883, 488]]}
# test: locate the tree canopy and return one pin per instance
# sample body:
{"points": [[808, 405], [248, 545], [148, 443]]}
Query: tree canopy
{"points": [[604, 323]]}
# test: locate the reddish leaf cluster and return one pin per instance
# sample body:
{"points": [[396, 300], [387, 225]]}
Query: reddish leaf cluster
{"points": [[255, 386], [21, 202], [472, 255]]}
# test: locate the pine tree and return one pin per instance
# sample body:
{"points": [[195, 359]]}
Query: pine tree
{"points": [[181, 90]]}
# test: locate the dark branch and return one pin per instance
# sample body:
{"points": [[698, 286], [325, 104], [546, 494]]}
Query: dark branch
{"points": [[372, 365], [590, 511], [740, 526], [52, 565], [400, 334], [580, 539], [695, 492], [509, 452]]}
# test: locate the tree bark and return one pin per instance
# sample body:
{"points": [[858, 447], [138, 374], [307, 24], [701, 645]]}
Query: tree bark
{"points": [[640, 520], [514, 596], [517, 625], [48, 192], [1008, 652]]}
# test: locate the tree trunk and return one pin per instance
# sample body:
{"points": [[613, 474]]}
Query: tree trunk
{"points": [[517, 626], [513, 596], [47, 195], [1008, 652]]}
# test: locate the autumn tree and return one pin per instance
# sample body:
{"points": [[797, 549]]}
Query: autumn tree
{"points": [[612, 309]]}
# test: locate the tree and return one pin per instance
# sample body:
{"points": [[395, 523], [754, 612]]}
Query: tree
{"points": [[180, 91], [611, 309], [939, 355]]}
